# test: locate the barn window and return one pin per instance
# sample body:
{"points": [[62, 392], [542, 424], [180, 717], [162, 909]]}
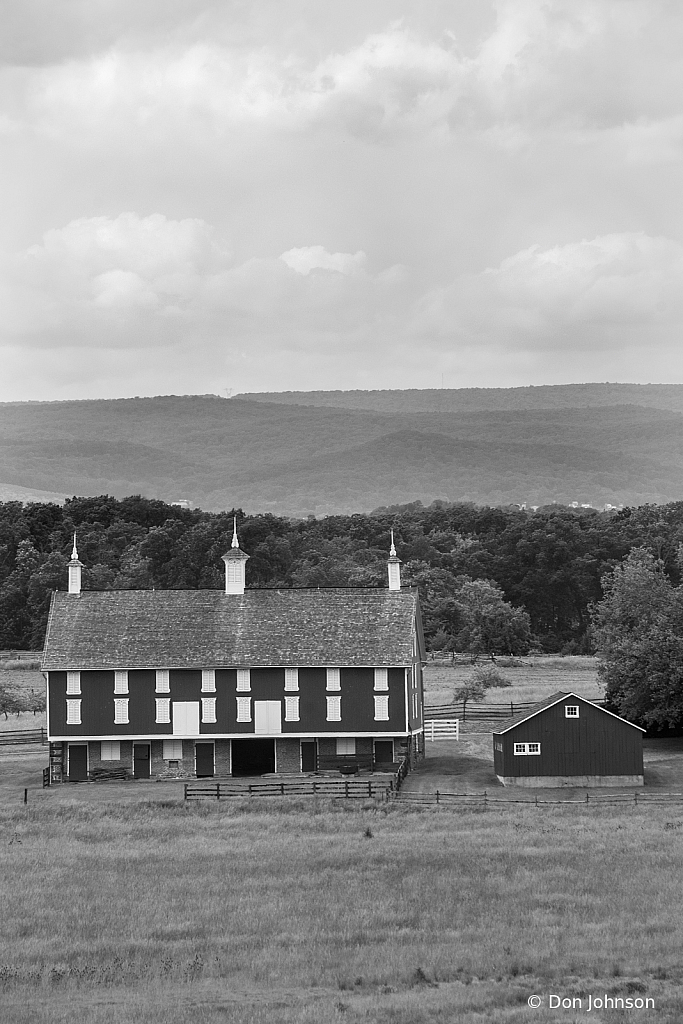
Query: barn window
{"points": [[73, 712], [208, 680], [520, 748], [244, 709], [292, 680], [334, 709], [291, 709], [111, 750], [381, 679], [208, 709], [381, 709], [172, 750], [121, 711], [346, 745], [533, 748], [333, 679], [163, 681], [571, 711], [244, 682], [73, 682], [121, 681], [163, 716]]}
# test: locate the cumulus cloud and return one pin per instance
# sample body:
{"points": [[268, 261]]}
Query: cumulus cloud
{"points": [[315, 257]]}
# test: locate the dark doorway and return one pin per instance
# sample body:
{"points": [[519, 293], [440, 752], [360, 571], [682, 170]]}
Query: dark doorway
{"points": [[203, 758], [309, 756], [253, 757], [384, 751], [141, 760], [78, 762]]}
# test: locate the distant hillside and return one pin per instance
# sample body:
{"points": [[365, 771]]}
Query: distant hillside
{"points": [[301, 453], [555, 396]]}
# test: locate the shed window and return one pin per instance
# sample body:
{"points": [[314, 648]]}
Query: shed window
{"points": [[334, 709], [292, 679], [381, 679], [527, 748], [111, 750], [244, 682], [208, 680], [571, 711], [163, 716], [381, 709], [208, 709], [333, 679], [346, 745], [73, 682], [172, 750], [73, 712], [121, 711], [163, 682], [291, 709], [244, 709], [121, 682]]}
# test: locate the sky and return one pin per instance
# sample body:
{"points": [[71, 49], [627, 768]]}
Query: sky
{"points": [[269, 195]]}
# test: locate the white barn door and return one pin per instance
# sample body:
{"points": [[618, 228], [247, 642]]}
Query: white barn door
{"points": [[267, 717], [185, 717]]}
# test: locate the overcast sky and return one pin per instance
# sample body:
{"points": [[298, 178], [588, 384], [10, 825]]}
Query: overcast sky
{"points": [[265, 195]]}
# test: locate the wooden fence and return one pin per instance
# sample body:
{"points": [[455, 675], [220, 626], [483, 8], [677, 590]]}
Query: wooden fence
{"points": [[441, 729], [477, 712], [345, 788], [455, 800], [23, 736]]}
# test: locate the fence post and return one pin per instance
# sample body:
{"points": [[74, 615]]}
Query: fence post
{"points": [[485, 798], [282, 789], [586, 797], [185, 792], [42, 736], [218, 791], [512, 708], [25, 796], [635, 799], [437, 796], [369, 787]]}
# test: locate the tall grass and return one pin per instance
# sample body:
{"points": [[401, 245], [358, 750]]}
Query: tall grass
{"points": [[162, 912]]}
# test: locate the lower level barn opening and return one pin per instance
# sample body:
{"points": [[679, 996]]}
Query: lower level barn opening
{"points": [[384, 752], [78, 762], [141, 761], [204, 760], [253, 757]]}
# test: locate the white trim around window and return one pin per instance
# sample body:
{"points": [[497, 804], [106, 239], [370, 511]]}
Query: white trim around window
{"points": [[73, 712], [163, 680], [333, 709], [209, 710], [208, 680], [571, 711], [333, 680], [244, 681], [243, 709], [381, 708], [291, 680], [121, 681], [121, 711], [73, 683], [163, 710], [381, 678], [525, 749], [291, 709]]}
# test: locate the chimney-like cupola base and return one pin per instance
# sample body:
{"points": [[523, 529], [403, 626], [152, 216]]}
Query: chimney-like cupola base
{"points": [[394, 567], [235, 565], [75, 568]]}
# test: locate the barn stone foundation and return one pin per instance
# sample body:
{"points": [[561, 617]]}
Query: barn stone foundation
{"points": [[567, 781], [287, 756]]}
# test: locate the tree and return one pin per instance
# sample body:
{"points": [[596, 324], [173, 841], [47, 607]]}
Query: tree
{"points": [[479, 681], [491, 624], [638, 632]]}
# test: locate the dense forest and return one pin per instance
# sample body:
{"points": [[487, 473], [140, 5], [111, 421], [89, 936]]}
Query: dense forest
{"points": [[542, 569]]}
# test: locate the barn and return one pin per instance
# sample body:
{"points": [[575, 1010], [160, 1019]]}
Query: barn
{"points": [[202, 683], [568, 741]]}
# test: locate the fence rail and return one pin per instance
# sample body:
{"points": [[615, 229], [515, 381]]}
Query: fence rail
{"points": [[441, 729], [23, 736], [485, 799], [346, 788], [482, 711]]}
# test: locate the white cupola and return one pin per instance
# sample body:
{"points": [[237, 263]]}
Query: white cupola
{"points": [[394, 567], [235, 565], [75, 571]]}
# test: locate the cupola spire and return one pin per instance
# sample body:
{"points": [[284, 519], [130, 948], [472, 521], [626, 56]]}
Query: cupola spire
{"points": [[235, 564], [75, 567], [394, 567]]}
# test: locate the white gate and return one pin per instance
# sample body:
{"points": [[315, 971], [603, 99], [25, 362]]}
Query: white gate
{"points": [[440, 729]]}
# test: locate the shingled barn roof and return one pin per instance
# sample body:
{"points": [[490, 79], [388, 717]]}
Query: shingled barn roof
{"points": [[195, 628]]}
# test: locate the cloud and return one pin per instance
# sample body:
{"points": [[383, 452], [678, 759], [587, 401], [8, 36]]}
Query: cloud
{"points": [[314, 257], [605, 291]]}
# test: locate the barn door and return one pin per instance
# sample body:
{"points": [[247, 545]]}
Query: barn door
{"points": [[141, 765], [267, 717], [309, 756], [203, 754], [78, 762]]}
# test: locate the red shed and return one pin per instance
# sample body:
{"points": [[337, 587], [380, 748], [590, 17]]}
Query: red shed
{"points": [[567, 740]]}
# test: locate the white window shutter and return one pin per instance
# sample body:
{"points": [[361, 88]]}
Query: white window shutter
{"points": [[163, 683], [333, 679], [73, 712], [110, 750], [292, 679], [121, 681], [208, 680], [381, 709], [244, 709], [381, 679], [73, 682], [163, 705], [243, 680], [172, 750], [333, 709], [208, 709], [121, 711], [291, 709]]}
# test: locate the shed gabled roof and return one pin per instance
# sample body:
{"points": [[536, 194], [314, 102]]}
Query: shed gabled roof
{"points": [[260, 628], [523, 716]]}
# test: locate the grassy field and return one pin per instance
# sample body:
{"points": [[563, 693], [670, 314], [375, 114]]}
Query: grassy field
{"points": [[531, 679], [152, 912]]}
